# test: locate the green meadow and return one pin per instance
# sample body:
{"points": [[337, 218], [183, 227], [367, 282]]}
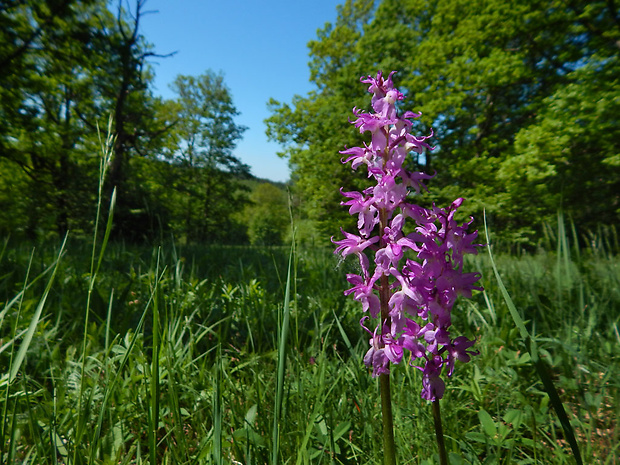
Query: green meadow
{"points": [[162, 303], [175, 354]]}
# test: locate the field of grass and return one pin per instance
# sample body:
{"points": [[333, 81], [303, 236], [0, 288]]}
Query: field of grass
{"points": [[176, 360]]}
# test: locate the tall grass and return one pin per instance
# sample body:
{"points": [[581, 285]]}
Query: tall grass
{"points": [[248, 355], [181, 362]]}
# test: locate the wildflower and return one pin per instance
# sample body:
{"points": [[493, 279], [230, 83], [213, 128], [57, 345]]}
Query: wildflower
{"points": [[411, 297]]}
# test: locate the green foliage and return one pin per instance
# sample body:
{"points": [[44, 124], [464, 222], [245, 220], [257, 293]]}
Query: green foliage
{"points": [[71, 64], [569, 156], [521, 96], [179, 304], [267, 215], [198, 148], [46, 51], [65, 67], [13, 209]]}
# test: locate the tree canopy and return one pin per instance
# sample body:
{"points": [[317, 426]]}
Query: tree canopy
{"points": [[68, 66], [65, 68], [522, 96], [199, 144]]}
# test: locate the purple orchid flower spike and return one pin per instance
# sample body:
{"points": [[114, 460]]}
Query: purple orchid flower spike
{"points": [[411, 257]]}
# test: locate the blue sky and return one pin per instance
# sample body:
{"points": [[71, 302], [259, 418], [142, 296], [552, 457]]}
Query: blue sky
{"points": [[260, 47]]}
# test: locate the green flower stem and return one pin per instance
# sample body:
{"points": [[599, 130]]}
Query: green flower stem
{"points": [[389, 448], [443, 457]]}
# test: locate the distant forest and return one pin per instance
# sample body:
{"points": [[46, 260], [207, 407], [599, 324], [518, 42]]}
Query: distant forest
{"points": [[523, 98], [68, 66]]}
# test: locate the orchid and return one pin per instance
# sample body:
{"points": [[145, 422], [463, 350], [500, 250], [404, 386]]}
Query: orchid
{"points": [[411, 275]]}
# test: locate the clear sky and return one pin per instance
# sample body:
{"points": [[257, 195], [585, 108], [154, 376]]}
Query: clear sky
{"points": [[259, 45]]}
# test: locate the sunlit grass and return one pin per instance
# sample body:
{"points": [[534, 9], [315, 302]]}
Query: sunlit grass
{"points": [[214, 332]]}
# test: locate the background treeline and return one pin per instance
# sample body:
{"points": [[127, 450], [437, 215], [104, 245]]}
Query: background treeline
{"points": [[65, 66], [523, 97]]}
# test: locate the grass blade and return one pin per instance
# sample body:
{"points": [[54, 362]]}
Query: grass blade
{"points": [[282, 362], [119, 372], [23, 348], [541, 367], [217, 409], [154, 381]]}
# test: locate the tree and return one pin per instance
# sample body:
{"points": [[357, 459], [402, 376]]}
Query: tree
{"points": [[569, 158], [44, 98], [200, 145], [267, 215], [70, 65], [123, 77], [22, 25], [481, 73]]}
